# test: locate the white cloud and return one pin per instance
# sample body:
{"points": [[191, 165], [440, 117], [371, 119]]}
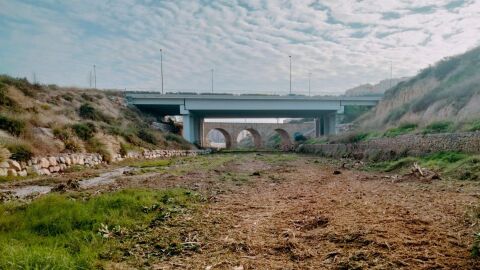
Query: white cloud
{"points": [[343, 43]]}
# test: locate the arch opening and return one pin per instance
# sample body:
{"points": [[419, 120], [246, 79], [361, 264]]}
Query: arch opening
{"points": [[219, 138], [280, 140], [249, 138]]}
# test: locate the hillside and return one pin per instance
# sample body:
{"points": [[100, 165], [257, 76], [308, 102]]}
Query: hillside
{"points": [[374, 89], [447, 91], [40, 120]]}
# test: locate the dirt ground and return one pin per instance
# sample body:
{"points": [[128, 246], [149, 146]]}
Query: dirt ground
{"points": [[287, 211]]}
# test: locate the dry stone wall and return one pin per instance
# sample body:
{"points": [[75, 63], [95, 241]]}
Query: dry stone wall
{"points": [[389, 148], [59, 163]]}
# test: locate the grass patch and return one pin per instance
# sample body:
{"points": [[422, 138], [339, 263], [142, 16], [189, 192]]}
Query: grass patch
{"points": [[13, 126], [438, 127], [400, 130], [451, 165], [151, 163], [84, 131], [87, 111], [60, 232]]}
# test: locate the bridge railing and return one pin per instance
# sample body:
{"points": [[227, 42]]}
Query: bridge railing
{"points": [[230, 92]]}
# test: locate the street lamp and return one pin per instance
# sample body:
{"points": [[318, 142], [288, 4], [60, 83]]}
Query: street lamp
{"points": [[161, 66], [212, 79], [309, 79], [290, 57]]}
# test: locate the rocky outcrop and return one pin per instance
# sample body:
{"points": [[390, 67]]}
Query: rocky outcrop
{"points": [[56, 164]]}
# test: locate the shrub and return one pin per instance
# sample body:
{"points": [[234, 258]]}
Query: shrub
{"points": [[474, 126], [13, 126], [5, 100], [476, 246], [396, 114], [87, 111], [402, 129], [438, 127], [84, 131], [445, 67], [147, 136], [68, 97], [20, 152], [174, 137], [61, 133], [94, 145], [4, 153], [73, 145], [299, 137]]}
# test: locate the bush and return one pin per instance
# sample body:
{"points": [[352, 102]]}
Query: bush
{"points": [[61, 133], [5, 100], [87, 111], [438, 127], [402, 129], [4, 153], [20, 152], [13, 126], [174, 137], [299, 137], [94, 145], [147, 136], [445, 67], [84, 131]]}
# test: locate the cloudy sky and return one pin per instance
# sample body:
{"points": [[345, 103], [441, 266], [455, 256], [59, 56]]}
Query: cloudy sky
{"points": [[342, 43]]}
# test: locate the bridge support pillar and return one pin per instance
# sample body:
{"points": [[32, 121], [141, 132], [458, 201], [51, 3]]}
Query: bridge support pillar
{"points": [[325, 125], [192, 128]]}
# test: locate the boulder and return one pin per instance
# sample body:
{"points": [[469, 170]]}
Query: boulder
{"points": [[12, 172], [14, 165], [4, 165], [22, 173], [3, 172], [68, 161], [44, 163], [53, 161], [54, 169], [45, 172]]}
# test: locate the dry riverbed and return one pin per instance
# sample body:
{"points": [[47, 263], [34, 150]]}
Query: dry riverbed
{"points": [[286, 211]]}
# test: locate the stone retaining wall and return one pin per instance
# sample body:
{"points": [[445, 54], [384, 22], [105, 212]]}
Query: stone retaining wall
{"points": [[404, 145], [59, 163]]}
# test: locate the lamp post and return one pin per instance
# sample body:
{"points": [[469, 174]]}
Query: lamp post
{"points": [[309, 79], [161, 66], [212, 79], [95, 75], [290, 57]]}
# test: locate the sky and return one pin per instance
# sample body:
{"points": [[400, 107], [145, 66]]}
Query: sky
{"points": [[341, 43]]}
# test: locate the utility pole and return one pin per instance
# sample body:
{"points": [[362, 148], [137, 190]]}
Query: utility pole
{"points": [[290, 57], [161, 66], [34, 78], [95, 76], [212, 79], [391, 73], [309, 79], [90, 79]]}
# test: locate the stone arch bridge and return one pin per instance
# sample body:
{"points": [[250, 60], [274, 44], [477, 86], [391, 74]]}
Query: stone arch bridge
{"points": [[261, 132]]}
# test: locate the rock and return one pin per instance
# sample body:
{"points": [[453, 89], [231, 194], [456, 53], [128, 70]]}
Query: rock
{"points": [[54, 169], [62, 160], [12, 172], [14, 165], [22, 173], [53, 161], [337, 172], [4, 165], [44, 163], [68, 161], [3, 172], [63, 167], [45, 172]]}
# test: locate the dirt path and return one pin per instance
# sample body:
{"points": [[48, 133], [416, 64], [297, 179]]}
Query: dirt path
{"points": [[297, 215], [275, 211]]}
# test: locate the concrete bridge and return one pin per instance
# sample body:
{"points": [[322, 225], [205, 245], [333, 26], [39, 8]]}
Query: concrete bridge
{"points": [[261, 132], [196, 107]]}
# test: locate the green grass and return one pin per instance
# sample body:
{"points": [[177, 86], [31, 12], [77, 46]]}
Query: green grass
{"points": [[400, 130], [61, 232], [438, 127], [451, 165], [152, 163]]}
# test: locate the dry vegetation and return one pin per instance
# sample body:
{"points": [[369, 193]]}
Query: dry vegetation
{"points": [[40, 119], [254, 211]]}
